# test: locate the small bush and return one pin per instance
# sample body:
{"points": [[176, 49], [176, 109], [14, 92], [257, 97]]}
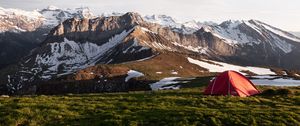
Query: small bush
{"points": [[271, 92], [284, 92]]}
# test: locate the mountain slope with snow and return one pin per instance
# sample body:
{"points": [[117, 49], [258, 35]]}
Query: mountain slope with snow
{"points": [[253, 32]]}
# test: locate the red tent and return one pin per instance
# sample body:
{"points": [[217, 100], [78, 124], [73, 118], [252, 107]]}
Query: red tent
{"points": [[231, 83]]}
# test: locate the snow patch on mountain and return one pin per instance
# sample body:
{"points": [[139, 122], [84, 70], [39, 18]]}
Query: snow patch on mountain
{"points": [[214, 66], [135, 47], [164, 82], [199, 49], [74, 56], [281, 44], [133, 74], [61, 58]]}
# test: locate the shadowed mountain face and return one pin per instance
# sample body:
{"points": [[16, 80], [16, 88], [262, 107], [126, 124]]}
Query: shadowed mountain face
{"points": [[14, 45], [80, 43]]}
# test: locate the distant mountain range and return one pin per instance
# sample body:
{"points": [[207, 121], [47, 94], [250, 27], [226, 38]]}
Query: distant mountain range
{"points": [[72, 46]]}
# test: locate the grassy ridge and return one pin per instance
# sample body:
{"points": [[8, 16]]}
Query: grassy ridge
{"points": [[181, 107]]}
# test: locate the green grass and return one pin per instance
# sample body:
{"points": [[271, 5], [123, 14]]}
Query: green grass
{"points": [[181, 107]]}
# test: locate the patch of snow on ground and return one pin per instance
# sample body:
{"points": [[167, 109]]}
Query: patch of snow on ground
{"points": [[284, 73], [4, 96], [174, 72], [158, 72], [276, 82], [264, 77], [164, 82], [225, 66], [133, 74], [170, 87]]}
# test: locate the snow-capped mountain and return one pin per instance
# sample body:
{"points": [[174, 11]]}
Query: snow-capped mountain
{"points": [[232, 32], [247, 41], [167, 21], [53, 15], [80, 40], [253, 32], [17, 20], [163, 20]]}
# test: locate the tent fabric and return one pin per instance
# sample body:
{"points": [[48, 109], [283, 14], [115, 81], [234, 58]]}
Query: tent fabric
{"points": [[231, 83]]}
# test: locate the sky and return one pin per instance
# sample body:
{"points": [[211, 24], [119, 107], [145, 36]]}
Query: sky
{"points": [[284, 14]]}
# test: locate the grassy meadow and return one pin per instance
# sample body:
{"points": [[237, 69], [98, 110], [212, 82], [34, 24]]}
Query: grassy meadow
{"points": [[178, 107]]}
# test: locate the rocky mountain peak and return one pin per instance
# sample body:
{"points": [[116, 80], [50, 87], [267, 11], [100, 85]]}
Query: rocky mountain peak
{"points": [[133, 17], [230, 23], [96, 29]]}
